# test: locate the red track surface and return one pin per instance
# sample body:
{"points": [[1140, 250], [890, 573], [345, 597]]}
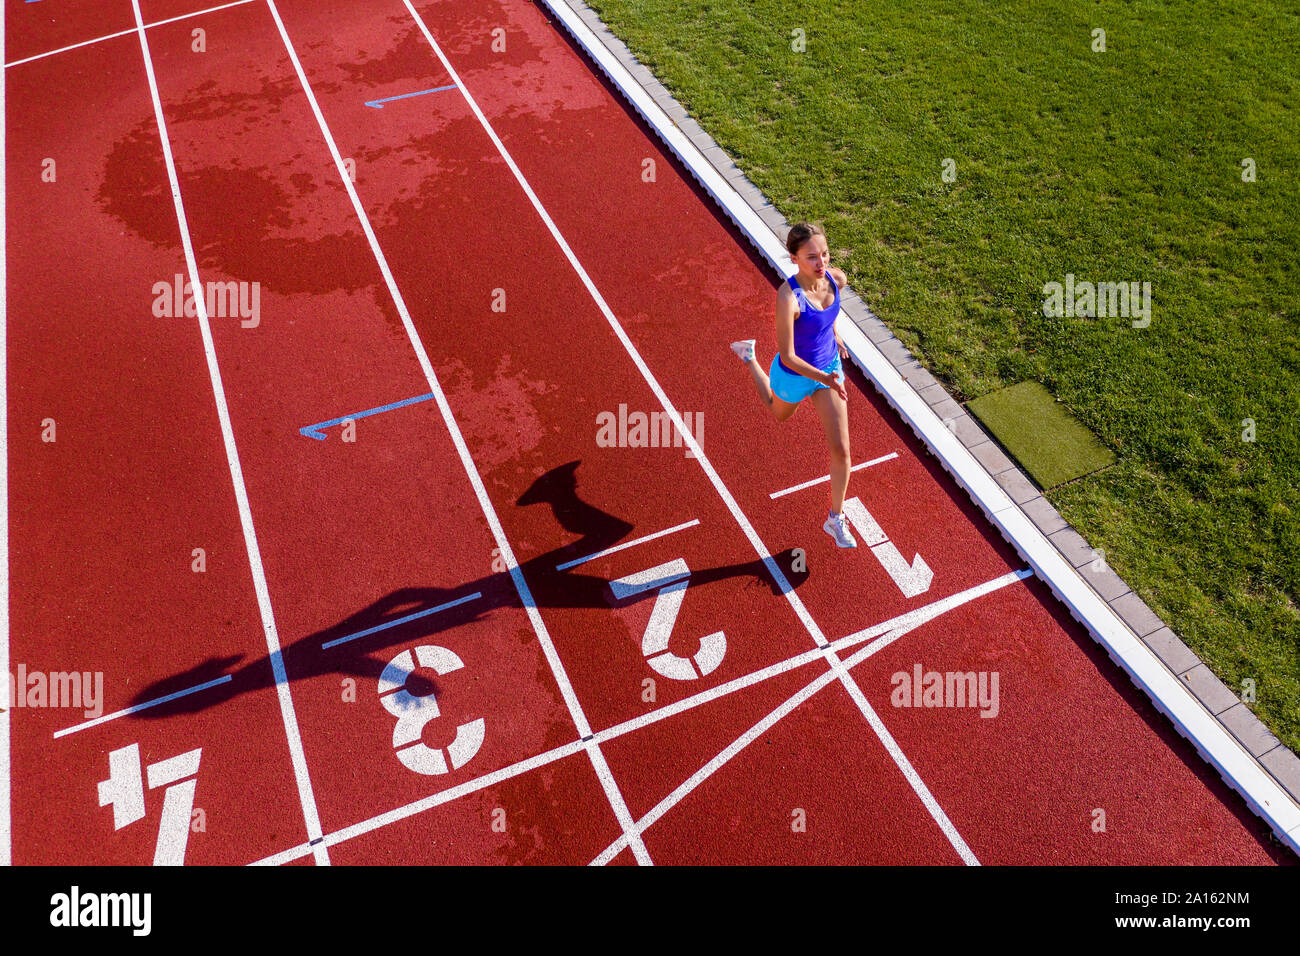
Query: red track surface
{"points": [[355, 534]]}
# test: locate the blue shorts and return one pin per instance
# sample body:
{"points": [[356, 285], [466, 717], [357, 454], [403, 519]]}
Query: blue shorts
{"points": [[794, 388]]}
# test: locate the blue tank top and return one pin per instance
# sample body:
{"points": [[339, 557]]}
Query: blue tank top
{"points": [[814, 329]]}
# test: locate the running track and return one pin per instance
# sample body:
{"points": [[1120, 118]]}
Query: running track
{"points": [[500, 251]]}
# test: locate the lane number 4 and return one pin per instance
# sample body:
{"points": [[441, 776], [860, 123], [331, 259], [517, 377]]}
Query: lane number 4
{"points": [[124, 789]]}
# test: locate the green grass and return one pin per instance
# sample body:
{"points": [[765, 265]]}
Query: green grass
{"points": [[1042, 436], [1115, 166]]}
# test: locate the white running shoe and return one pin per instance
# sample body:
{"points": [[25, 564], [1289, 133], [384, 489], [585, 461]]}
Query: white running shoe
{"points": [[744, 350], [838, 528]]}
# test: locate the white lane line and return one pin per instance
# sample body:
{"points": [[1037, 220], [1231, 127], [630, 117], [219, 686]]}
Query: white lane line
{"points": [[921, 615], [900, 758], [818, 481], [306, 797], [697, 778], [626, 544], [122, 33], [139, 707], [401, 620], [892, 629], [428, 803], [889, 632], [687, 433], [689, 438], [616, 800], [6, 854]]}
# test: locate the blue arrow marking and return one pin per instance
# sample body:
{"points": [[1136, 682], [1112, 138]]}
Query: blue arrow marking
{"points": [[314, 431], [377, 103]]}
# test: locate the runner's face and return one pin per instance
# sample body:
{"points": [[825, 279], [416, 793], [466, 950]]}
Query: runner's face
{"points": [[814, 257]]}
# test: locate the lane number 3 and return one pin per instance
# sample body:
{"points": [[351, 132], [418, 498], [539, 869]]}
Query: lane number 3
{"points": [[414, 712]]}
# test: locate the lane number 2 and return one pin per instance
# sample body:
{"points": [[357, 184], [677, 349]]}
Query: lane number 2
{"points": [[671, 580]]}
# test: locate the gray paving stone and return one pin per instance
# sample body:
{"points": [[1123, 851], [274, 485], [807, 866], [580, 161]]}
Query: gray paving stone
{"points": [[1177, 656], [918, 376], [774, 219], [897, 352], [1209, 690], [934, 394], [1285, 766], [689, 127], [1137, 615], [718, 157], [947, 409], [737, 177], [1247, 728], [1020, 488], [989, 455], [1073, 546], [1105, 582], [967, 430], [853, 310], [1043, 515], [876, 330], [665, 99], [701, 140]]}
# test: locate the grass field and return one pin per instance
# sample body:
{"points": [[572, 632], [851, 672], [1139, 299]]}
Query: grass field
{"points": [[1117, 166]]}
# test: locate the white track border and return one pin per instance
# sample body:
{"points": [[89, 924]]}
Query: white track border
{"points": [[1190, 717]]}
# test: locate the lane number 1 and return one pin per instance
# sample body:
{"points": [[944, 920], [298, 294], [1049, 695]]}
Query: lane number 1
{"points": [[911, 579]]}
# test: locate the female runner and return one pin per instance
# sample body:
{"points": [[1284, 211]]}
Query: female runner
{"points": [[808, 359]]}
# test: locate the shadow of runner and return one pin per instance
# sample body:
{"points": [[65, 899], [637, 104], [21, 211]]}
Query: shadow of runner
{"points": [[407, 615]]}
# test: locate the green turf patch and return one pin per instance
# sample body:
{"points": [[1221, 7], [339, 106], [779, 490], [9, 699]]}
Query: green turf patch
{"points": [[1040, 434]]}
